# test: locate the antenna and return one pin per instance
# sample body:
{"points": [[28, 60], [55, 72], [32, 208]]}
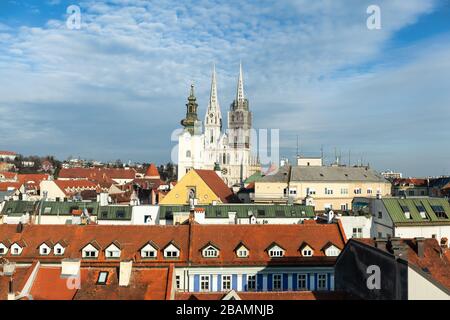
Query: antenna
{"points": [[321, 152], [349, 154], [297, 146]]}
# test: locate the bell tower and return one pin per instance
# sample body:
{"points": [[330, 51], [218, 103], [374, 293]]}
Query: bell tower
{"points": [[191, 120]]}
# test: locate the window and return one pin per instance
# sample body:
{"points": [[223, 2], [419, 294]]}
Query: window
{"points": [[276, 252], [261, 212], [90, 254], [178, 282], [310, 191], [380, 215], [210, 252], [328, 191], [226, 283], [251, 282], [357, 191], [369, 191], [58, 251], [242, 253], [188, 154], [302, 283], [411, 193], [357, 233], [406, 212], [322, 282], [2, 251], [104, 214], [44, 251], [149, 254], [102, 277], [439, 211], [113, 253], [307, 252], [277, 282], [344, 207], [204, 283], [292, 191], [344, 191], [332, 251], [171, 254], [47, 210], [120, 214]]}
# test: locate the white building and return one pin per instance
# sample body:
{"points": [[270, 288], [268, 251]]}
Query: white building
{"points": [[205, 147]]}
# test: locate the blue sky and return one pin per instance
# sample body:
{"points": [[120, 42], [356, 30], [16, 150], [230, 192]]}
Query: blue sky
{"points": [[117, 87]]}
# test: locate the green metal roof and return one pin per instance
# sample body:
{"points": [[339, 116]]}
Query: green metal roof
{"points": [[16, 208], [244, 210], [114, 213], [254, 177], [394, 208], [54, 208]]}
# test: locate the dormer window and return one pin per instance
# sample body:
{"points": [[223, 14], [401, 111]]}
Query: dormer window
{"points": [[3, 249], [306, 250], [149, 251], [171, 251], [44, 249], [406, 211], [59, 248], [16, 249], [210, 251], [332, 251], [113, 251], [90, 251], [276, 251]]}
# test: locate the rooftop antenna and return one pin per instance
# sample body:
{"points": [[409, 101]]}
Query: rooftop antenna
{"points": [[349, 154], [321, 152], [297, 147]]}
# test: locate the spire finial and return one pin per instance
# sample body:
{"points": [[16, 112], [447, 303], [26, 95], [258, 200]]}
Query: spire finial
{"points": [[192, 90], [213, 95]]}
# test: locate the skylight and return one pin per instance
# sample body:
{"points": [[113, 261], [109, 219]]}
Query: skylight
{"points": [[439, 211], [102, 277]]}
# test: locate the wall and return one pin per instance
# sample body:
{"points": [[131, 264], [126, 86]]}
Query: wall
{"points": [[420, 288], [139, 212], [423, 231], [53, 191], [350, 222], [385, 225]]}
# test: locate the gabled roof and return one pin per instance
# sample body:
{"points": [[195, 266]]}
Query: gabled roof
{"points": [[217, 185], [274, 244], [115, 243], [329, 244], [239, 245], [93, 243], [210, 244], [152, 244], [48, 243], [304, 244], [172, 242], [152, 171]]}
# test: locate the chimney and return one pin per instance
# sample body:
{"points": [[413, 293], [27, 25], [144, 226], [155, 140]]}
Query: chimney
{"points": [[19, 228], [420, 246], [380, 243], [444, 243], [397, 247], [125, 273]]}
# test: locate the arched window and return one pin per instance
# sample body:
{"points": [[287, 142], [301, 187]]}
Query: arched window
{"points": [[188, 154]]}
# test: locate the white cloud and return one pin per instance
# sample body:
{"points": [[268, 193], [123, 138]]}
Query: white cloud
{"points": [[138, 57]]}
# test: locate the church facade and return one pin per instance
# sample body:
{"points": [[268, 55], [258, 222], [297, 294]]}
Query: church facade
{"points": [[206, 145]]}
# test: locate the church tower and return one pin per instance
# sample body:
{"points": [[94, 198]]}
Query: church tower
{"points": [[191, 121], [239, 117], [213, 117]]}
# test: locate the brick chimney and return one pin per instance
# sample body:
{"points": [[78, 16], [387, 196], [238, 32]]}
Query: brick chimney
{"points": [[420, 246], [398, 247], [380, 243]]}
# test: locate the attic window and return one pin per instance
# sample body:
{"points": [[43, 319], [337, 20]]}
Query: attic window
{"points": [[120, 214], [440, 212], [47, 210], [210, 252], [276, 252], [406, 211], [104, 214], [422, 211], [102, 277]]}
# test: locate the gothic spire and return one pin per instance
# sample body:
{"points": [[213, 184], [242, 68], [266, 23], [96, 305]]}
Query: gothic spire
{"points": [[213, 101], [240, 87]]}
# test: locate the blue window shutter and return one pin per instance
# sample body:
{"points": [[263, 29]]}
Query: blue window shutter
{"points": [[244, 282], [269, 282], [259, 282], [329, 281], [219, 282], [294, 281], [285, 282], [315, 281], [196, 283], [308, 281], [234, 281]]}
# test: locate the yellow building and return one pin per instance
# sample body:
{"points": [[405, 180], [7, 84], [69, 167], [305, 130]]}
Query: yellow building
{"points": [[203, 186], [324, 187]]}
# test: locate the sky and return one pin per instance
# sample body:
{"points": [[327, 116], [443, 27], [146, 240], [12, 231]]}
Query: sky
{"points": [[116, 88]]}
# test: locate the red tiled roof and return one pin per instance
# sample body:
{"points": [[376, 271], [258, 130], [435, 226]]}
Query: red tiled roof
{"points": [[5, 186], [67, 185], [7, 153], [132, 238], [217, 185], [257, 238], [152, 171], [48, 285], [33, 177], [437, 265], [416, 181], [8, 175], [97, 173]]}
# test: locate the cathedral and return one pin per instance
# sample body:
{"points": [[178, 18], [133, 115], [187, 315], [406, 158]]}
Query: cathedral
{"points": [[206, 145]]}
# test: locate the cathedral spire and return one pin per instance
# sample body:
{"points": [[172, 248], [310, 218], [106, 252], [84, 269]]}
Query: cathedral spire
{"points": [[240, 87], [213, 102]]}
